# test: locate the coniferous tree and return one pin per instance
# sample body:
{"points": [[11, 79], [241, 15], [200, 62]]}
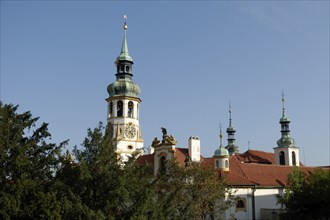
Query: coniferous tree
{"points": [[38, 182], [28, 166]]}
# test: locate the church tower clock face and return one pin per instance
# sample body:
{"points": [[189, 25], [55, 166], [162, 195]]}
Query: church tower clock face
{"points": [[130, 131]]}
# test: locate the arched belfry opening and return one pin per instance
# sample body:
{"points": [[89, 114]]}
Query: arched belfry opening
{"points": [[282, 158], [120, 108], [294, 161], [130, 109]]}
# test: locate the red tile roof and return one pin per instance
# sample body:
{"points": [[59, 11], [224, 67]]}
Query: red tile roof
{"points": [[241, 173], [147, 158], [255, 156], [180, 155], [249, 168]]}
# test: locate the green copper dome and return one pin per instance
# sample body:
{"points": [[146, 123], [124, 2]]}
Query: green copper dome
{"points": [[231, 129], [286, 141], [124, 87], [221, 151], [284, 119]]}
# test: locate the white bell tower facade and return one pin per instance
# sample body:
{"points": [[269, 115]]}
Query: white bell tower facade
{"points": [[123, 107]]}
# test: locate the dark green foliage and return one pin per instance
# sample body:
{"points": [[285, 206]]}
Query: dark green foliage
{"points": [[192, 192], [27, 167], [307, 196], [38, 182]]}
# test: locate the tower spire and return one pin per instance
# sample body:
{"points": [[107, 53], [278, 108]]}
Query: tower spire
{"points": [[285, 129], [231, 147], [124, 55], [283, 104], [229, 114]]}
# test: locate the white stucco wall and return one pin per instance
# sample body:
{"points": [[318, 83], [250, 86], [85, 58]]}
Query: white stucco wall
{"points": [[264, 199]]}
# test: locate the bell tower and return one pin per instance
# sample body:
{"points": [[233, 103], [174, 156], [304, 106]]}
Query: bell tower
{"points": [[286, 152], [123, 106]]}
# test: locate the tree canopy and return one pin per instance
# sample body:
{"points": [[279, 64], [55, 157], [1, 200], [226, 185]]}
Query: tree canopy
{"points": [[28, 166], [40, 181], [307, 195]]}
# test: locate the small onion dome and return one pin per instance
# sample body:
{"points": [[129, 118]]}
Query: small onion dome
{"points": [[221, 151], [230, 129], [124, 88], [124, 56], [284, 119], [286, 142]]}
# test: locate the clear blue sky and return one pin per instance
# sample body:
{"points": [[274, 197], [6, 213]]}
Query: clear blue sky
{"points": [[191, 58]]}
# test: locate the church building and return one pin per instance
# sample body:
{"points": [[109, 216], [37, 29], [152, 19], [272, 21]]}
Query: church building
{"points": [[256, 176]]}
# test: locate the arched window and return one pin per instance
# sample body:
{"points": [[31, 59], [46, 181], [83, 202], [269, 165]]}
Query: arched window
{"points": [[162, 164], [217, 165], [130, 111], [294, 162], [127, 69], [240, 204], [120, 108], [226, 164], [110, 109], [282, 158], [121, 69]]}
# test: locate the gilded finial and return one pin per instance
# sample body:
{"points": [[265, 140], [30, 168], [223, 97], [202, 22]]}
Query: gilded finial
{"points": [[125, 25]]}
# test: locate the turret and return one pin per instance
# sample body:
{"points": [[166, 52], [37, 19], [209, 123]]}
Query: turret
{"points": [[286, 153], [221, 156]]}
